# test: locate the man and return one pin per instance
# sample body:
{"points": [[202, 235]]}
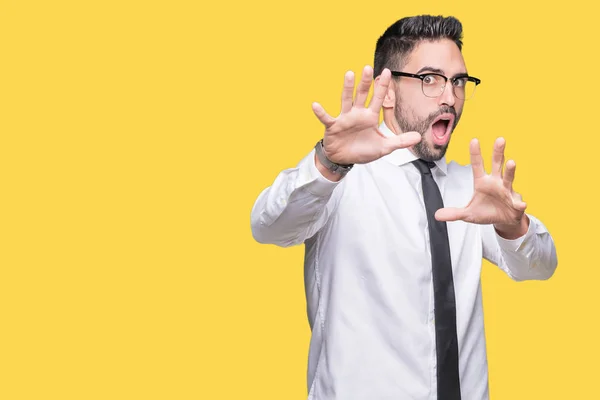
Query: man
{"points": [[392, 269]]}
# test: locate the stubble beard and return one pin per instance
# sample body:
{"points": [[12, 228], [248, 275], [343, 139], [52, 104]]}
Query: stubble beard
{"points": [[425, 150]]}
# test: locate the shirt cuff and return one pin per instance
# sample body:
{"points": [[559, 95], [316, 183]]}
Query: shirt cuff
{"points": [[515, 244], [312, 180]]}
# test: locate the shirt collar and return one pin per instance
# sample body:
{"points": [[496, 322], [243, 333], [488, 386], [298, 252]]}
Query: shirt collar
{"points": [[404, 156]]}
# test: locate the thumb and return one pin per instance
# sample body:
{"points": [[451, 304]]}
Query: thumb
{"points": [[450, 214], [401, 141], [322, 115]]}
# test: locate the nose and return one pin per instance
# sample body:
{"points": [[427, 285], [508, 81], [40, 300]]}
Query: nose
{"points": [[447, 96]]}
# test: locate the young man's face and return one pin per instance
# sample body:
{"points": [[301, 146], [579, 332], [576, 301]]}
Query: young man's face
{"points": [[434, 117]]}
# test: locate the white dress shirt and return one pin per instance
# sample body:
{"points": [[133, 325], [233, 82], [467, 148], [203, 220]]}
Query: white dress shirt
{"points": [[368, 277]]}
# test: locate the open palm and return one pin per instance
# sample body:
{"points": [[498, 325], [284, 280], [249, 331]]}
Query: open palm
{"points": [[353, 137], [494, 201]]}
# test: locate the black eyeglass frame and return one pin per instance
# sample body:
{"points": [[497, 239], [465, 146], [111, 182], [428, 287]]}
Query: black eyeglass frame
{"points": [[477, 81]]}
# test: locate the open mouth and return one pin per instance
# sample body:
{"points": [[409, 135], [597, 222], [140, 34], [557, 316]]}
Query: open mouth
{"points": [[441, 127]]}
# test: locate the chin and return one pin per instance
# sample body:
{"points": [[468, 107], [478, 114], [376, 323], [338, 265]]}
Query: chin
{"points": [[428, 151]]}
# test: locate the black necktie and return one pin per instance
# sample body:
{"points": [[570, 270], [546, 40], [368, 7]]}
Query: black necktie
{"points": [[448, 380]]}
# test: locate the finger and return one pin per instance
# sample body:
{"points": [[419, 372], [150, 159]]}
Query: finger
{"points": [[498, 157], [518, 202], [516, 196], [451, 214], [509, 174], [476, 159], [400, 141], [348, 91], [380, 90], [320, 112], [362, 91], [520, 206]]}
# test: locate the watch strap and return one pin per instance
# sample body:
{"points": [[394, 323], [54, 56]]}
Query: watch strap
{"points": [[335, 168]]}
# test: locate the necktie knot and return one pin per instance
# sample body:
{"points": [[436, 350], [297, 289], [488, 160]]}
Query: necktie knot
{"points": [[424, 166]]}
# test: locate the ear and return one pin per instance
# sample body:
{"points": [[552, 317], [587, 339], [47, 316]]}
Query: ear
{"points": [[390, 97]]}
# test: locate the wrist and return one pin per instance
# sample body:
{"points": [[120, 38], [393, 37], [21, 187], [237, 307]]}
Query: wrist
{"points": [[327, 174], [328, 168], [513, 231]]}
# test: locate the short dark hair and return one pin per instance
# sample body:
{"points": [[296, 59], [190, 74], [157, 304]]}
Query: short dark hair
{"points": [[401, 38]]}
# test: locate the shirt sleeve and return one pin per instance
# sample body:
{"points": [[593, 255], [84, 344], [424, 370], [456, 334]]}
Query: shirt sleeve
{"points": [[530, 257], [296, 206]]}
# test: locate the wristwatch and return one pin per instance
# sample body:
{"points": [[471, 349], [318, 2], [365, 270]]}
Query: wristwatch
{"points": [[341, 169]]}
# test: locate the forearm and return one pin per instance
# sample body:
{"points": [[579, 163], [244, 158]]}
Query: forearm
{"points": [[530, 256], [295, 206]]}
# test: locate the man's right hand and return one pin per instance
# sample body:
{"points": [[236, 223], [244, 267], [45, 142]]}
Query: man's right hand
{"points": [[353, 137]]}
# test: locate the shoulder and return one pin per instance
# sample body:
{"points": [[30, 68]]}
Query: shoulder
{"points": [[457, 169], [460, 174]]}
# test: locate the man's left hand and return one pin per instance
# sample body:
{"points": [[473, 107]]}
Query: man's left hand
{"points": [[494, 200]]}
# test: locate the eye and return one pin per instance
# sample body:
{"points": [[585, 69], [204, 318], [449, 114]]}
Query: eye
{"points": [[430, 79], [460, 82]]}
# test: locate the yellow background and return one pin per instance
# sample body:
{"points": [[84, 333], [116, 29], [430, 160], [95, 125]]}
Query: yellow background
{"points": [[136, 135]]}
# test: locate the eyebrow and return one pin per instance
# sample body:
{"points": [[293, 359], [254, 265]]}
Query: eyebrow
{"points": [[431, 69], [441, 72]]}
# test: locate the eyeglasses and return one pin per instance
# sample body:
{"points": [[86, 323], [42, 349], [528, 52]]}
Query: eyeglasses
{"points": [[433, 84]]}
